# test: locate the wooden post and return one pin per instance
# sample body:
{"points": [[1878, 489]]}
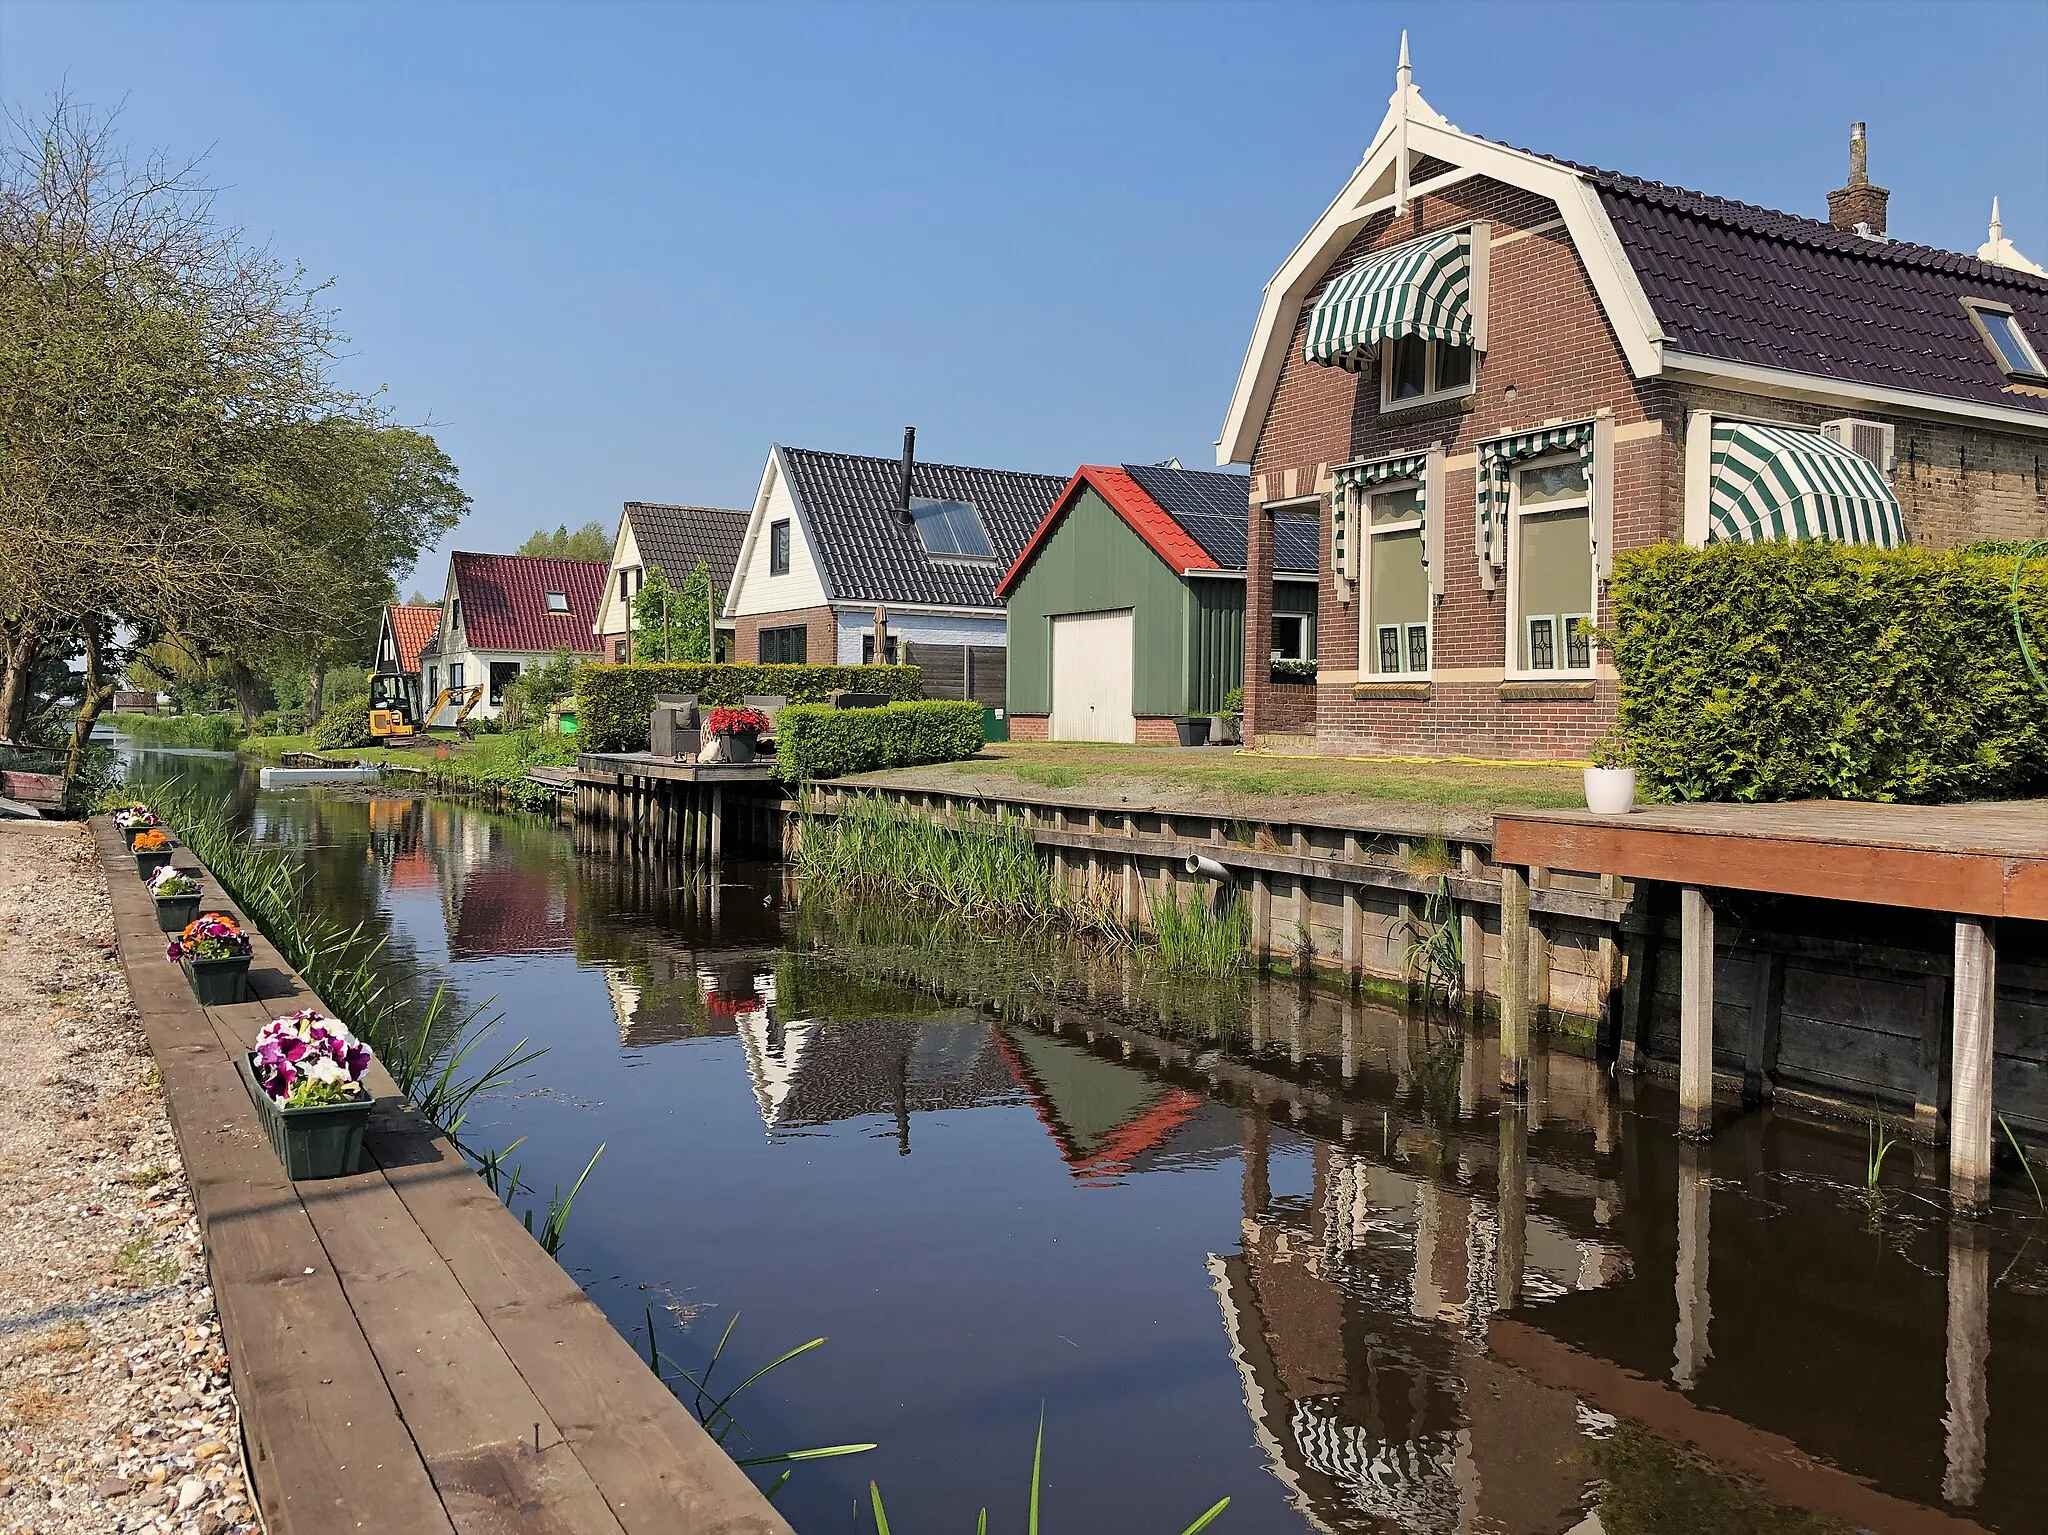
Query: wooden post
{"points": [[717, 838], [1639, 981], [1969, 1358], [1471, 933], [1930, 1099], [1539, 952], [1262, 916], [1969, 1130], [1691, 1350], [1696, 1014], [1514, 979], [1760, 1045], [1607, 974]]}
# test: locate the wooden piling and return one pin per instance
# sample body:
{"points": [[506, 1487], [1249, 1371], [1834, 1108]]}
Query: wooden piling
{"points": [[1514, 979], [1695, 1014], [1970, 1112]]}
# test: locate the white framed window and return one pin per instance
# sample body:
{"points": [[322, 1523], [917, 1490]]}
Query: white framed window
{"points": [[455, 674], [1396, 636], [1550, 570], [1290, 637], [2008, 340], [1416, 372]]}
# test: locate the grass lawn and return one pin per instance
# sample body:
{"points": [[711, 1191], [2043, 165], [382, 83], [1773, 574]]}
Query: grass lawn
{"points": [[1469, 785]]}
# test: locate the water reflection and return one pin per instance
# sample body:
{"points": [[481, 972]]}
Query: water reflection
{"points": [[1242, 1239]]}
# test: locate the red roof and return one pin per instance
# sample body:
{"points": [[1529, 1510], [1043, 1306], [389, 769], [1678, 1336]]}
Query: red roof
{"points": [[505, 601], [1148, 519], [413, 628]]}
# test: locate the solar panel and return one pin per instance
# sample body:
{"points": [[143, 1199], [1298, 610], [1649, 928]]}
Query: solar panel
{"points": [[950, 527]]}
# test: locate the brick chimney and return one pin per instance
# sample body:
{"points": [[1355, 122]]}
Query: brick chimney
{"points": [[1859, 206]]}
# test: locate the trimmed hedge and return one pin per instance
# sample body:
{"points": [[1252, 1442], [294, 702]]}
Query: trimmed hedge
{"points": [[613, 703], [1818, 670], [817, 741]]}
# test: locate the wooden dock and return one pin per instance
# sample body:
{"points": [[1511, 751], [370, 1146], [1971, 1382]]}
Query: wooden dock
{"points": [[673, 807], [1978, 864], [405, 1356]]}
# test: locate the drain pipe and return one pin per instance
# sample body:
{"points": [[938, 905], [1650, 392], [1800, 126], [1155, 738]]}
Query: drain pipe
{"points": [[1208, 868]]}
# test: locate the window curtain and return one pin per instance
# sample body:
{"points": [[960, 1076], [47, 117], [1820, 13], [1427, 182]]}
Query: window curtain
{"points": [[1498, 457], [1351, 515]]}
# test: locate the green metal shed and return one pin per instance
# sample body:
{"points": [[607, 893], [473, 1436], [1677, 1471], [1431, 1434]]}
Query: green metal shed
{"points": [[1126, 608]]}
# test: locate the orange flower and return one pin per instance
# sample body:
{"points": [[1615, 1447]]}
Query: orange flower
{"points": [[151, 841]]}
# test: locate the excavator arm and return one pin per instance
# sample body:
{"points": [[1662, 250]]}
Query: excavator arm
{"points": [[474, 697]]}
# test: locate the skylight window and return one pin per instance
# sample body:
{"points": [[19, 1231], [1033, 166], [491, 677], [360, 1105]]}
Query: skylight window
{"points": [[950, 528], [558, 602], [2001, 330]]}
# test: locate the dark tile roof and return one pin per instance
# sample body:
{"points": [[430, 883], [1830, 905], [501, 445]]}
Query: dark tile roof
{"points": [[504, 601], [677, 537], [871, 554], [1743, 284]]}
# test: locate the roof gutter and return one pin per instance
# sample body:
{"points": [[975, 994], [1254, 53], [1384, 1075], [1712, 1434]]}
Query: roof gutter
{"points": [[1749, 378]]}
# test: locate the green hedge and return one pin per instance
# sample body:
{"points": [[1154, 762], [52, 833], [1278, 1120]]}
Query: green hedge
{"points": [[613, 702], [215, 732], [344, 725], [815, 741], [1810, 670]]}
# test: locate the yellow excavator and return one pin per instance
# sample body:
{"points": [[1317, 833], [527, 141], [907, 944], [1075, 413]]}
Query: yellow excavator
{"points": [[391, 711]]}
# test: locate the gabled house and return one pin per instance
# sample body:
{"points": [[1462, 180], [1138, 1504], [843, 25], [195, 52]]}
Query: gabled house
{"points": [[503, 613], [1126, 608], [674, 539], [404, 631], [840, 545], [1485, 371]]}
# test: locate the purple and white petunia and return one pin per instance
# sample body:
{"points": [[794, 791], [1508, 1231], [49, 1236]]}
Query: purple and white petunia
{"points": [[309, 1046]]}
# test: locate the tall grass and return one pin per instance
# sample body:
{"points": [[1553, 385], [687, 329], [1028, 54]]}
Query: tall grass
{"points": [[214, 732], [981, 866], [1435, 955], [1199, 938]]}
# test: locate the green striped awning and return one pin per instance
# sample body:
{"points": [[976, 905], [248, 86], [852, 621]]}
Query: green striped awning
{"points": [[1497, 459], [1355, 483], [1776, 482], [1421, 290]]}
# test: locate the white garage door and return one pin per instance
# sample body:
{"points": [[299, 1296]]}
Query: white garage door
{"points": [[1091, 677]]}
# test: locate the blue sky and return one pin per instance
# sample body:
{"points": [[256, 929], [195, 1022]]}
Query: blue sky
{"points": [[612, 253]]}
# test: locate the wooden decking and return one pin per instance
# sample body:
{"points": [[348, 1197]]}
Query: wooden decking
{"points": [[1989, 860], [406, 1358]]}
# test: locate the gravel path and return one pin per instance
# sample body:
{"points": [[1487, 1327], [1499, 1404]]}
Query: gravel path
{"points": [[115, 1412]]}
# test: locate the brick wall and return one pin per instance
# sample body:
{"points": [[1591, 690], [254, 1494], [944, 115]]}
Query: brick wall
{"points": [[1551, 357], [1290, 708], [821, 643], [1154, 730], [1029, 727]]}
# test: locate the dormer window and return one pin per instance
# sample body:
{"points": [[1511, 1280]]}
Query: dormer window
{"points": [[950, 528], [2001, 331], [558, 602]]}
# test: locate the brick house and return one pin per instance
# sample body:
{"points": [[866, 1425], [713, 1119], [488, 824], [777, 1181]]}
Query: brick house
{"points": [[840, 544], [1486, 370], [503, 613], [675, 539]]}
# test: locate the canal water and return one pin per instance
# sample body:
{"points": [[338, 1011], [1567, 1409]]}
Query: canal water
{"points": [[1229, 1239]]}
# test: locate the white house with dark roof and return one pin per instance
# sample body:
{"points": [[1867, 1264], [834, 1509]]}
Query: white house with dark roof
{"points": [[837, 539], [675, 539]]}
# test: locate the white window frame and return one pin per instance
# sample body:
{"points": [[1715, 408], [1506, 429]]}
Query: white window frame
{"points": [[1431, 394], [1300, 621], [1978, 308], [1516, 619], [1368, 631]]}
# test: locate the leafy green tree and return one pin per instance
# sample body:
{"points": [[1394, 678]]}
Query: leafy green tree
{"points": [[589, 542], [673, 625]]}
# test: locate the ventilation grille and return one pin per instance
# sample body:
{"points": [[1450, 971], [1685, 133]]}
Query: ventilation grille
{"points": [[1866, 439]]}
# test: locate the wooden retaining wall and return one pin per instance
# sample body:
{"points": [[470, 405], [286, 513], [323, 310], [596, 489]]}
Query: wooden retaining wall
{"points": [[405, 1356]]}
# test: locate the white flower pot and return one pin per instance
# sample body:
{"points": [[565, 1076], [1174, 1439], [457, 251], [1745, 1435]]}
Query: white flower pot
{"points": [[1610, 791]]}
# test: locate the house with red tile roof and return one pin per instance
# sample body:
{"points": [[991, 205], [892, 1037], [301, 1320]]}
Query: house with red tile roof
{"points": [[1483, 371], [402, 633], [503, 613], [1125, 607]]}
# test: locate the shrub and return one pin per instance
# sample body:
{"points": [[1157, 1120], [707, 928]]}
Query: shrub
{"points": [[1792, 671], [613, 702], [534, 691], [212, 732], [344, 726], [816, 741]]}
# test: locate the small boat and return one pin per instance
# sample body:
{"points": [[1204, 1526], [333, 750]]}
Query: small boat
{"points": [[330, 773]]}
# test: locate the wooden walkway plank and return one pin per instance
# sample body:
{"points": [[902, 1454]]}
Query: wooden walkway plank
{"points": [[396, 1337]]}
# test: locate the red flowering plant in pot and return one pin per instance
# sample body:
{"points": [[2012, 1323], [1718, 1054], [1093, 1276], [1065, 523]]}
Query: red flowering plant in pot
{"points": [[735, 731], [215, 954]]}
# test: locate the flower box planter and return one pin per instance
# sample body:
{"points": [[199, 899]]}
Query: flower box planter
{"points": [[1193, 731], [736, 746], [322, 1142], [130, 833], [148, 863], [174, 911], [219, 982]]}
